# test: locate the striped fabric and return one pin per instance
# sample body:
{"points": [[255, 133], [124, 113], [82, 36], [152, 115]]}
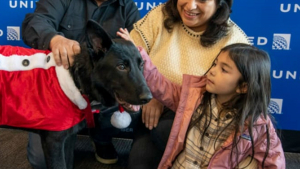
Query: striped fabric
{"points": [[197, 153]]}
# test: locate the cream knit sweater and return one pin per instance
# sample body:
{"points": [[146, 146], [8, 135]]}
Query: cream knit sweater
{"points": [[180, 51]]}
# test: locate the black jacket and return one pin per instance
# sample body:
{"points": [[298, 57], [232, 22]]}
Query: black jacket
{"points": [[69, 17]]}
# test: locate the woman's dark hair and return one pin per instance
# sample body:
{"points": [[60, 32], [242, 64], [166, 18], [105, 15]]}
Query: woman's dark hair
{"points": [[217, 26], [254, 66]]}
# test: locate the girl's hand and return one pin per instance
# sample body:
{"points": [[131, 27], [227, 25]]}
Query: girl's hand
{"points": [[123, 33]]}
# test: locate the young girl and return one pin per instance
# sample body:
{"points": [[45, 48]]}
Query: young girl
{"points": [[221, 118]]}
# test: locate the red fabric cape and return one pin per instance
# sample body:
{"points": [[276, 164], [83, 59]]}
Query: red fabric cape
{"points": [[33, 98]]}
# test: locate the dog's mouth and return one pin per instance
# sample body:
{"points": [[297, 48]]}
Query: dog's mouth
{"points": [[119, 100], [123, 102]]}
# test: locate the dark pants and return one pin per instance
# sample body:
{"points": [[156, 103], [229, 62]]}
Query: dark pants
{"points": [[101, 134], [148, 146]]}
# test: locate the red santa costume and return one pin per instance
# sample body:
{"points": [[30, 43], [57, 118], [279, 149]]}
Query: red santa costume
{"points": [[37, 94]]}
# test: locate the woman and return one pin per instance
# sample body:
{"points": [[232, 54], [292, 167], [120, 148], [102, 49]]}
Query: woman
{"points": [[181, 37]]}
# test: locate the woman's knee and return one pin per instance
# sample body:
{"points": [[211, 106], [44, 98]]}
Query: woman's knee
{"points": [[144, 154], [160, 134]]}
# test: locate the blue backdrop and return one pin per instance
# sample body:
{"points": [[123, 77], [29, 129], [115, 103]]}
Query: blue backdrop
{"points": [[272, 25]]}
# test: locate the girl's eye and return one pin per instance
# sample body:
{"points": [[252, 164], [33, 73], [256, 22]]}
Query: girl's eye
{"points": [[121, 66], [223, 70], [202, 0], [214, 64]]}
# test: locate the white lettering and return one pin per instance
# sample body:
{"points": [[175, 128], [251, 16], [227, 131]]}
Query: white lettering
{"points": [[250, 39], [277, 76], [296, 7], [141, 7], [22, 4], [148, 5], [262, 41], [1, 32], [288, 8], [25, 4], [289, 74], [259, 41], [13, 6]]}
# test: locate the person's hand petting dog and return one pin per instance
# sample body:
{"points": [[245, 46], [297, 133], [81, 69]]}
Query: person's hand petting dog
{"points": [[124, 34], [152, 111], [64, 50]]}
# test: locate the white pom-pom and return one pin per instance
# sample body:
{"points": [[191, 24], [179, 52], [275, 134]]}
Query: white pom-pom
{"points": [[120, 120]]}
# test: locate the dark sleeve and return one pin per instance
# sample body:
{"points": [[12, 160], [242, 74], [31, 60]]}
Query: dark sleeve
{"points": [[39, 27], [133, 14]]}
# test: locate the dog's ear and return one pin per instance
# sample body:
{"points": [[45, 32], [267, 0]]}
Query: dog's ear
{"points": [[97, 38]]}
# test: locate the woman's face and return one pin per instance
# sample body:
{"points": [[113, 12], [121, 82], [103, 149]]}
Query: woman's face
{"points": [[196, 13]]}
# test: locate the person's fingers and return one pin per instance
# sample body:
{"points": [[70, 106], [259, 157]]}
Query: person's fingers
{"points": [[120, 34], [64, 57], [122, 30], [76, 50], [56, 56], [148, 114], [151, 119], [123, 36]]}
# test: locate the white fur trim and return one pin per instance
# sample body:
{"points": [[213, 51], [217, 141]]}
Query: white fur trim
{"points": [[68, 86], [14, 62], [120, 120], [39, 60]]}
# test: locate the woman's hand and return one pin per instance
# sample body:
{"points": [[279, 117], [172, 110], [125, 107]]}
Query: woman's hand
{"points": [[151, 113], [64, 50]]}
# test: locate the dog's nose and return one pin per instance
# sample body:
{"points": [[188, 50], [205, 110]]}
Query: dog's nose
{"points": [[145, 97]]}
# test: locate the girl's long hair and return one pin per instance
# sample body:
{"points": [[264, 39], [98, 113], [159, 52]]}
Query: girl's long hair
{"points": [[254, 66], [217, 25]]}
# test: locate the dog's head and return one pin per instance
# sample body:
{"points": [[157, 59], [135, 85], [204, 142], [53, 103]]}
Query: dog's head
{"points": [[117, 69]]}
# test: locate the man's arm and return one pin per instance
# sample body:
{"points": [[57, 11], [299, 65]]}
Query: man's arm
{"points": [[40, 31], [40, 27], [132, 14]]}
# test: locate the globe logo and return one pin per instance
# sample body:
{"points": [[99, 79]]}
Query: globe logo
{"points": [[13, 33], [281, 41], [274, 108]]}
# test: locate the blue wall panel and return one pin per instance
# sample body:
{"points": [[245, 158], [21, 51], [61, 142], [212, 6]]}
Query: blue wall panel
{"points": [[272, 25]]}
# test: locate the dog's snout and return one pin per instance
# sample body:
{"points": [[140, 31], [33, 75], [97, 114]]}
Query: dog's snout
{"points": [[145, 98]]}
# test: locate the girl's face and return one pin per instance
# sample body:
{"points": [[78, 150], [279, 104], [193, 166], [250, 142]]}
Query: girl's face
{"points": [[223, 78], [196, 13]]}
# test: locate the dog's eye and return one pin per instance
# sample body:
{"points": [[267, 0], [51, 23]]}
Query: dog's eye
{"points": [[121, 67]]}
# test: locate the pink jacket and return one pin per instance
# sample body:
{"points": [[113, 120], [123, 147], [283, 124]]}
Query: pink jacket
{"points": [[183, 99]]}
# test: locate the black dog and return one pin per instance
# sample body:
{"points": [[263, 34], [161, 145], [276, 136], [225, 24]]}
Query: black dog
{"points": [[106, 70]]}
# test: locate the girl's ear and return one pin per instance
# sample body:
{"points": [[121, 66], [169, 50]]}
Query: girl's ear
{"points": [[242, 89]]}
